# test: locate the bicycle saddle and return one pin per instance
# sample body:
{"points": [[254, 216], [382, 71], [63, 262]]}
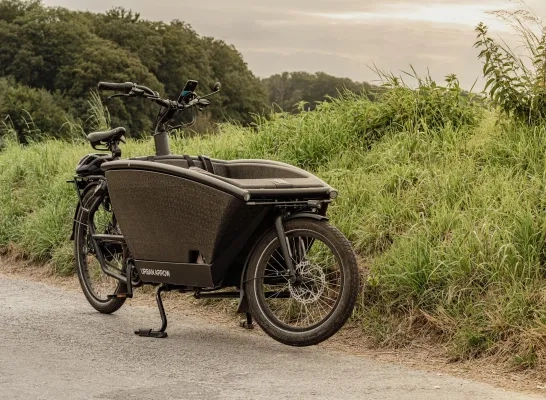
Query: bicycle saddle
{"points": [[106, 136]]}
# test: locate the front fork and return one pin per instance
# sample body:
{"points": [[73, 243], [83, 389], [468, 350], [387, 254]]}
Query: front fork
{"points": [[283, 241]]}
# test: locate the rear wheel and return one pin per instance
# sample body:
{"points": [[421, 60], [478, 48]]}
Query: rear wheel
{"points": [[95, 211], [320, 302]]}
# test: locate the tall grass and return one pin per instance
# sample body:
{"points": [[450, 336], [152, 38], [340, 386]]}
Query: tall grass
{"points": [[99, 119], [445, 207]]}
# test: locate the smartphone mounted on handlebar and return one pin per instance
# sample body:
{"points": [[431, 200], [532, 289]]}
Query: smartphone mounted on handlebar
{"points": [[188, 92]]}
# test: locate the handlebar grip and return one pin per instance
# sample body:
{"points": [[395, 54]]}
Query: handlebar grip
{"points": [[118, 87]]}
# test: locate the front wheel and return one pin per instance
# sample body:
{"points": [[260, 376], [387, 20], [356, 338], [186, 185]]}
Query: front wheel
{"points": [[319, 303]]}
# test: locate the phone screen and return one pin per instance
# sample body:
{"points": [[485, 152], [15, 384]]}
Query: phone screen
{"points": [[189, 88]]}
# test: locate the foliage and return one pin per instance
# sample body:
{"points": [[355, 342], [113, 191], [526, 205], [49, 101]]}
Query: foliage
{"points": [[516, 82], [287, 90], [99, 119], [244, 95], [30, 113], [68, 52], [429, 106], [354, 120]]}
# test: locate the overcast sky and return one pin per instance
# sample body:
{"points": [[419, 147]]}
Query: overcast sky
{"points": [[340, 37]]}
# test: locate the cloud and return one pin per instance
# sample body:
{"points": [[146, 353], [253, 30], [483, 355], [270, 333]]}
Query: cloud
{"points": [[440, 13], [341, 37]]}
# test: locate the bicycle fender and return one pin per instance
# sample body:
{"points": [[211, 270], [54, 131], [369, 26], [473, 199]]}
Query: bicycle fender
{"points": [[316, 216], [90, 186], [72, 235]]}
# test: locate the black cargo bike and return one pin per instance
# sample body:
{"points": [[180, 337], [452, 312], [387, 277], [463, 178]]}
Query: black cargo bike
{"points": [[254, 230]]}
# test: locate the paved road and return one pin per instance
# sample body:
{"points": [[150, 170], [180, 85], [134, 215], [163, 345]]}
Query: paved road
{"points": [[54, 346]]}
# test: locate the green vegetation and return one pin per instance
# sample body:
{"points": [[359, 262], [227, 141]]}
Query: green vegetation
{"points": [[59, 55], [288, 90], [52, 58], [516, 77]]}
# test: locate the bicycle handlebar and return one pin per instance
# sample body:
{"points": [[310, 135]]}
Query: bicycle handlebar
{"points": [[119, 87], [170, 107], [126, 88]]}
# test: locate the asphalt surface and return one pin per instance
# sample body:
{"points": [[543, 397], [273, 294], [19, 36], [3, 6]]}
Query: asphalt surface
{"points": [[53, 345]]}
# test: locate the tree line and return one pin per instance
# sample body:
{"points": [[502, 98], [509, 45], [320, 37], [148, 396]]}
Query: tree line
{"points": [[51, 59]]}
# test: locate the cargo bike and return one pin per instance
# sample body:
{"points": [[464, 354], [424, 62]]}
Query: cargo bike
{"points": [[252, 230]]}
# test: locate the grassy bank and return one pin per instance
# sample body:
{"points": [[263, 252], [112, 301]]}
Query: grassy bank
{"points": [[445, 207]]}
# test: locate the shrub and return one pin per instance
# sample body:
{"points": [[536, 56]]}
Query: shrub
{"points": [[516, 82], [428, 107], [31, 114]]}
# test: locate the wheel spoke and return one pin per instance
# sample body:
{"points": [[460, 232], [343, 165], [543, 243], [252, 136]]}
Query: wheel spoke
{"points": [[99, 284], [315, 295]]}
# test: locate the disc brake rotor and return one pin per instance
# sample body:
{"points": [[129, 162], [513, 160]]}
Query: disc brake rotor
{"points": [[312, 285]]}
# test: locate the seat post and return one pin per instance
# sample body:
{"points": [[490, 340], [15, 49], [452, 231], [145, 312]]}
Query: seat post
{"points": [[116, 151], [161, 140]]}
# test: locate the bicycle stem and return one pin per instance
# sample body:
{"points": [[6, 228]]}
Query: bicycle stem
{"points": [[161, 140]]}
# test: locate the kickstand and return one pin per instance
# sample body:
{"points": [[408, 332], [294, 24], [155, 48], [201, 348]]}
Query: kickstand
{"points": [[248, 324], [161, 332]]}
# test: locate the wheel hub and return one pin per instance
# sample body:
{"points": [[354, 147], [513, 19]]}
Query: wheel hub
{"points": [[311, 285]]}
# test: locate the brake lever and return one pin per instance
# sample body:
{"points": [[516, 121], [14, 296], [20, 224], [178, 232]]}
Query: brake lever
{"points": [[133, 93], [173, 128], [118, 95]]}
